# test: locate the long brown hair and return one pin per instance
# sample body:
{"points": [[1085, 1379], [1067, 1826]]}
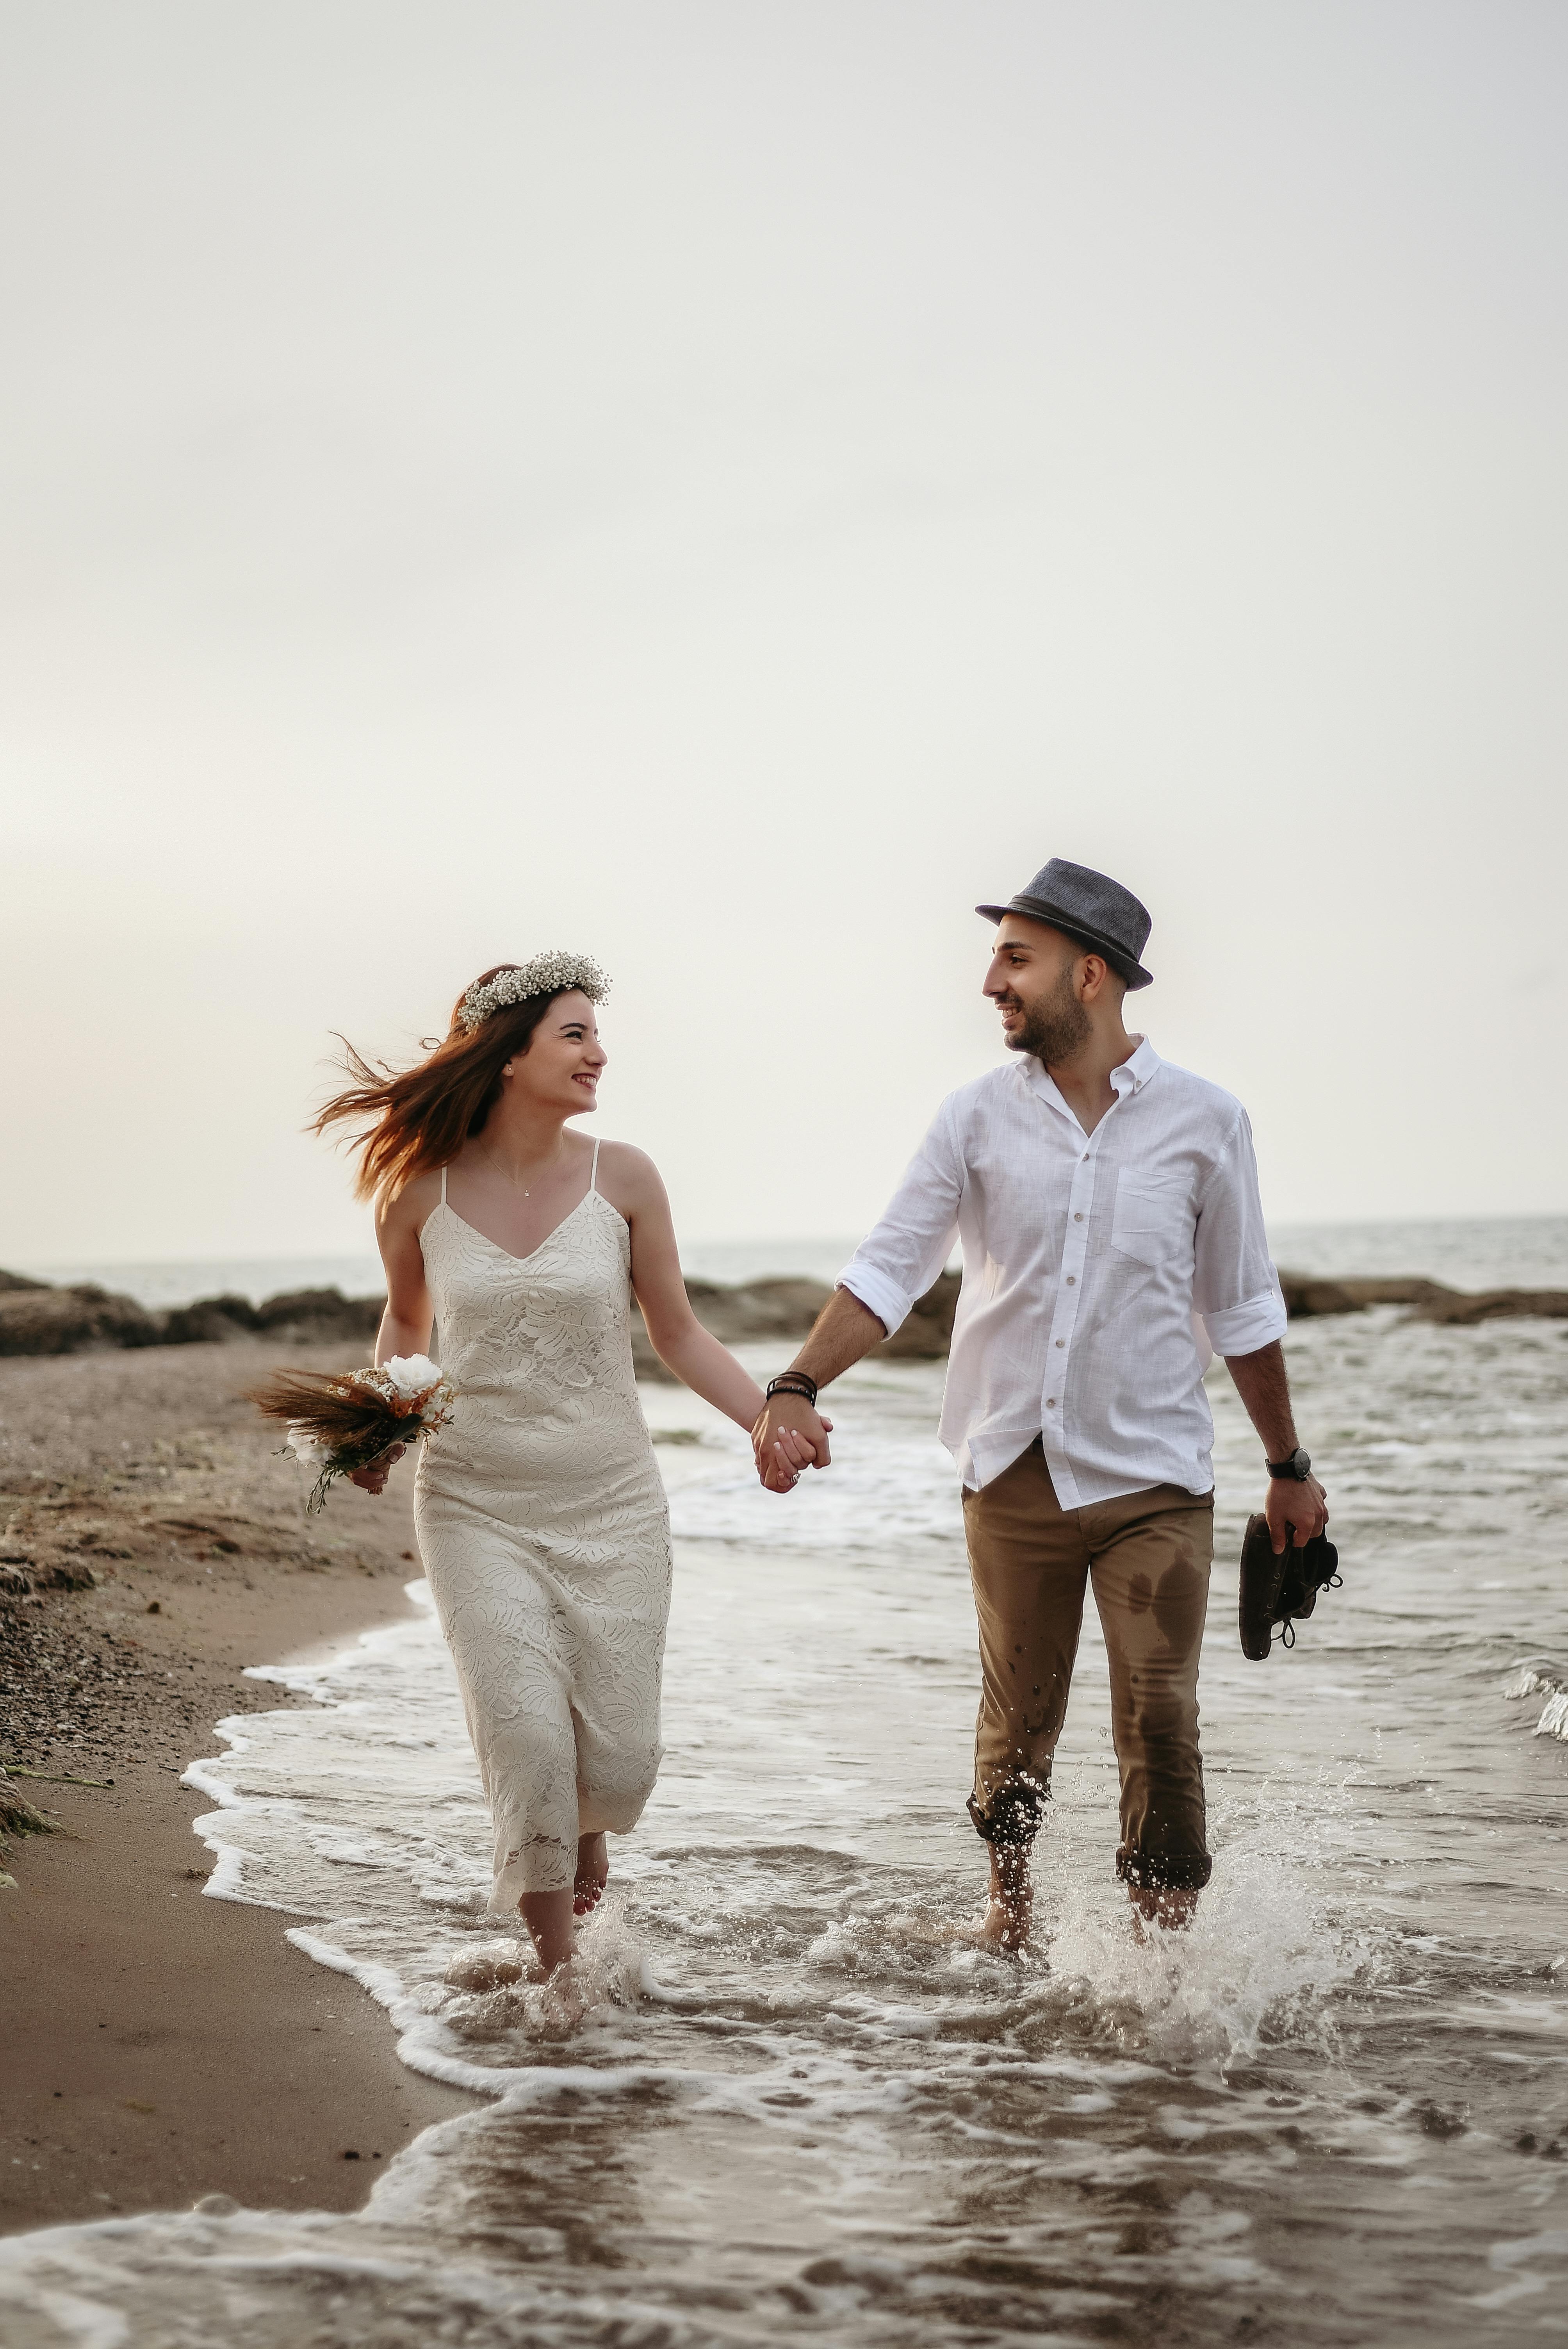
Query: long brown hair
{"points": [[414, 1122]]}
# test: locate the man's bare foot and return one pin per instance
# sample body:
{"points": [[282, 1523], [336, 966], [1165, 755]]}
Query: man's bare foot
{"points": [[1010, 1902], [592, 1874], [1171, 1910]]}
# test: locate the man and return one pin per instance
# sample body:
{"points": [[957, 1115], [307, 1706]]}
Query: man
{"points": [[1113, 1241]]}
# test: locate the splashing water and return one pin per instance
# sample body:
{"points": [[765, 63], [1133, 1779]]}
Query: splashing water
{"points": [[795, 2098], [1538, 1679]]}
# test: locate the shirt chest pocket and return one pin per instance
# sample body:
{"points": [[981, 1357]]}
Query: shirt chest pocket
{"points": [[1152, 1221]]}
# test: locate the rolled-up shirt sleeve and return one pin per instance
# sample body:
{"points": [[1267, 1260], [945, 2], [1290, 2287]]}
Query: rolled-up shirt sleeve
{"points": [[901, 1257], [1235, 1288]]}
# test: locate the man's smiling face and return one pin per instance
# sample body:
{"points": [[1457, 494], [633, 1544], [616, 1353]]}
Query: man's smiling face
{"points": [[1033, 983]]}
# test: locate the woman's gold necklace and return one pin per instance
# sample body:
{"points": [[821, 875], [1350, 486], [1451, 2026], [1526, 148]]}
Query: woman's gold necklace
{"points": [[501, 1169]]}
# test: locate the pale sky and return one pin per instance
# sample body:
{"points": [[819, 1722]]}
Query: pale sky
{"points": [[726, 487]]}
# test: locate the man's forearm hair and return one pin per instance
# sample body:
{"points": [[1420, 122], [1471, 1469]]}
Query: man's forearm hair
{"points": [[1264, 1388], [843, 1331]]}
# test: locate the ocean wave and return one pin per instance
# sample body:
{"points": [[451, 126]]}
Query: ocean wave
{"points": [[1537, 1678]]}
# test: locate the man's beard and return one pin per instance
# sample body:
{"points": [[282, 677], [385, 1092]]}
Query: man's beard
{"points": [[1054, 1028]]}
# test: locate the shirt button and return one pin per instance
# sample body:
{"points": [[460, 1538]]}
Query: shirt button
{"points": [[1072, 1280], [1077, 1216], [1050, 1402], [1061, 1342]]}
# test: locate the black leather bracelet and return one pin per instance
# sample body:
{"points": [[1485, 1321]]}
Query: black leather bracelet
{"points": [[798, 1383]]}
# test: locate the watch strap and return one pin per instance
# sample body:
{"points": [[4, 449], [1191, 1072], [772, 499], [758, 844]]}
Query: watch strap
{"points": [[1296, 1469]]}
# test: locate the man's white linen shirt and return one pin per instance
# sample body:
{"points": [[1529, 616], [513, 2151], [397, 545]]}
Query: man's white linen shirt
{"points": [[1093, 1265]]}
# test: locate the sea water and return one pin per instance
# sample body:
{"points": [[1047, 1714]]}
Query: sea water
{"points": [[803, 2105]]}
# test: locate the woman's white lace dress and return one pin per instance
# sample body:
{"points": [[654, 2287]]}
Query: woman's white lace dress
{"points": [[545, 1535]]}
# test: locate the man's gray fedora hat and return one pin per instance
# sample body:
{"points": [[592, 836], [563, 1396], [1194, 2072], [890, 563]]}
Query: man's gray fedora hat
{"points": [[1093, 908]]}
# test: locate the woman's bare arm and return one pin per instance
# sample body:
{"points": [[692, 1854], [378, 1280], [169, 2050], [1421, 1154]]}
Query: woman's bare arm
{"points": [[631, 1183], [406, 1323]]}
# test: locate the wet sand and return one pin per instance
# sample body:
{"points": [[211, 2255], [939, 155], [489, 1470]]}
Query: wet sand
{"points": [[161, 2045]]}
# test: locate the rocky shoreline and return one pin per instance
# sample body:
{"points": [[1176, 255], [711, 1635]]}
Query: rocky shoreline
{"points": [[37, 1318]]}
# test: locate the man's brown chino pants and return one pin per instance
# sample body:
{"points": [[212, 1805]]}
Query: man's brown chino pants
{"points": [[1148, 1556]]}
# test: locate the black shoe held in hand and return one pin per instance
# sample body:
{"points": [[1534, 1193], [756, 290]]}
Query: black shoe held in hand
{"points": [[1282, 1588]]}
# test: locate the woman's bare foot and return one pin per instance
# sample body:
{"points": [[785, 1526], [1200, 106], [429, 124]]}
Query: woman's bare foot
{"points": [[1009, 1906], [492, 1966], [592, 1874], [563, 2007], [549, 1918]]}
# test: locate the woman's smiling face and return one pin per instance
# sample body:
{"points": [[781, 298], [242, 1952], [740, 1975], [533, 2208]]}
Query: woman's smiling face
{"points": [[562, 1066]]}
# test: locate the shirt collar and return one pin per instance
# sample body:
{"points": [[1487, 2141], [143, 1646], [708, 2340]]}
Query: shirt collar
{"points": [[1136, 1070], [1131, 1077]]}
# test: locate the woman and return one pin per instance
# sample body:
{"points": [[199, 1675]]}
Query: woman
{"points": [[540, 1512]]}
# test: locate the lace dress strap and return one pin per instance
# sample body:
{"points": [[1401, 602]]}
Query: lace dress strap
{"points": [[593, 1170], [443, 1186]]}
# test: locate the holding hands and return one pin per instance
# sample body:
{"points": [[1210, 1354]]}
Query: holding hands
{"points": [[789, 1435]]}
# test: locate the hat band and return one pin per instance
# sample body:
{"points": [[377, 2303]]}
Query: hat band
{"points": [[1035, 908]]}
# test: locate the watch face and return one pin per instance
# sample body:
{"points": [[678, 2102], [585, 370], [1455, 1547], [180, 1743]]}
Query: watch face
{"points": [[1302, 1464]]}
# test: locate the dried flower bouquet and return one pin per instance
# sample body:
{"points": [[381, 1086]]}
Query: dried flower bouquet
{"points": [[341, 1421]]}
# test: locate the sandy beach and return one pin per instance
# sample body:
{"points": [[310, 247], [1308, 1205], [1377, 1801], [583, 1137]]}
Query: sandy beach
{"points": [[162, 2045]]}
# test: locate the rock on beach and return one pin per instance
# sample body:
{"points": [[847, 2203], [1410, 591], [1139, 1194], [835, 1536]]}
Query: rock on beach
{"points": [[39, 1320], [36, 1318], [785, 1308], [1307, 1298]]}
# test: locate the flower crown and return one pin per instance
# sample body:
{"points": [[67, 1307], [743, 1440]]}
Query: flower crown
{"points": [[547, 974]]}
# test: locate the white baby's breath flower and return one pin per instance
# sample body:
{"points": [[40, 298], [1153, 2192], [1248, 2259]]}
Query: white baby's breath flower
{"points": [[546, 974], [411, 1374], [308, 1448]]}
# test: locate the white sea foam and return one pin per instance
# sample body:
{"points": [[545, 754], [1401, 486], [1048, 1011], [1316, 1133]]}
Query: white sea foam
{"points": [[1535, 1679]]}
